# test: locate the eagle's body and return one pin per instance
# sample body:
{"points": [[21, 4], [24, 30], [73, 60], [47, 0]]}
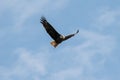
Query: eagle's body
{"points": [[58, 38]]}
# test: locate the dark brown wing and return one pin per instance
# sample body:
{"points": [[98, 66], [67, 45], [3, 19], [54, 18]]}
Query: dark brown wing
{"points": [[49, 28], [71, 35]]}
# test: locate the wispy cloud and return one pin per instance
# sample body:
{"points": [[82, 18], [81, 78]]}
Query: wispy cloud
{"points": [[66, 74], [22, 10], [83, 61], [106, 18], [27, 66], [15, 14], [89, 57]]}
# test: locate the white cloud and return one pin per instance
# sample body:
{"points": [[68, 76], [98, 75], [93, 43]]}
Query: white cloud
{"points": [[106, 18], [66, 74], [59, 4], [34, 62], [27, 66], [89, 56], [21, 10], [95, 44]]}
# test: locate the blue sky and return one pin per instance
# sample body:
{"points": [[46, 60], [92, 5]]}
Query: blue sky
{"points": [[25, 50]]}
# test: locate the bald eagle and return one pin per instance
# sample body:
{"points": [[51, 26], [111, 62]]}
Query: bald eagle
{"points": [[57, 37]]}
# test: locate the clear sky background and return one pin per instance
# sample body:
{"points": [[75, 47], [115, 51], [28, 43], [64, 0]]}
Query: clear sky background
{"points": [[25, 50]]}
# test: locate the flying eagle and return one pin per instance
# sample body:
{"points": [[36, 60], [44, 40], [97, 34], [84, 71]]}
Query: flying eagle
{"points": [[57, 38]]}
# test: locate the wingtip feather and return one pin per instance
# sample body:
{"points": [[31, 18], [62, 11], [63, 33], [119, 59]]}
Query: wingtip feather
{"points": [[77, 31]]}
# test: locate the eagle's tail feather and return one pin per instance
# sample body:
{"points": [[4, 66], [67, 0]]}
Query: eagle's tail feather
{"points": [[53, 43]]}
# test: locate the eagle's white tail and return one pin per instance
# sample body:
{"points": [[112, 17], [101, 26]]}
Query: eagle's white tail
{"points": [[53, 43]]}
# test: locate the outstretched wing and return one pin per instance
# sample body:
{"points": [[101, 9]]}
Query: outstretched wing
{"points": [[71, 35], [49, 28]]}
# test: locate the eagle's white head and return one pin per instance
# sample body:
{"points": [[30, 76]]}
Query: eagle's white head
{"points": [[62, 37]]}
